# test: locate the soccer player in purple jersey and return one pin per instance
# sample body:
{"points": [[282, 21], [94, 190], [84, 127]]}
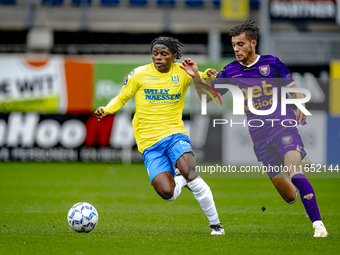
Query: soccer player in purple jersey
{"points": [[274, 144]]}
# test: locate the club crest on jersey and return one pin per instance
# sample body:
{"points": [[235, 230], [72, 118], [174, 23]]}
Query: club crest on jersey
{"points": [[175, 79], [264, 70], [287, 140]]}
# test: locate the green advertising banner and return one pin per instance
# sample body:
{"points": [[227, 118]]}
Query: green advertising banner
{"points": [[109, 77]]}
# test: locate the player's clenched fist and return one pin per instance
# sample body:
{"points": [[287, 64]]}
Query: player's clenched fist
{"points": [[99, 113]]}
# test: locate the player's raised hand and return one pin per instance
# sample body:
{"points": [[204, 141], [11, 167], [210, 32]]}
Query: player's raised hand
{"points": [[300, 116], [99, 113], [211, 72], [190, 67]]}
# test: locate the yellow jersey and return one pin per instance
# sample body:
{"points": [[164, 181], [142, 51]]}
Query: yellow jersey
{"points": [[159, 99]]}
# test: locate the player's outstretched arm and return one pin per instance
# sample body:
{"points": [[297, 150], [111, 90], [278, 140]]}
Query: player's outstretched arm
{"points": [[190, 67], [300, 116], [99, 113], [129, 89]]}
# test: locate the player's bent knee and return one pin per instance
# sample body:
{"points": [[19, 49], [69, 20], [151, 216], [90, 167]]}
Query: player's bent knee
{"points": [[173, 198], [290, 199], [166, 195]]}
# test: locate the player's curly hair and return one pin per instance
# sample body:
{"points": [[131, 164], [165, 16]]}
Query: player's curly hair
{"points": [[174, 45], [249, 28]]}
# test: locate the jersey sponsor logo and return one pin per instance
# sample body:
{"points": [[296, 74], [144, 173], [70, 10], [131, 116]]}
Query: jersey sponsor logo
{"points": [[175, 79], [160, 94], [264, 70], [258, 91], [287, 140]]}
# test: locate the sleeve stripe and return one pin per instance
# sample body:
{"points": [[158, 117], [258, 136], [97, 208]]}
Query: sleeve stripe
{"points": [[290, 84]]}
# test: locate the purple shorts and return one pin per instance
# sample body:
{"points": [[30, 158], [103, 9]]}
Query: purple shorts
{"points": [[272, 152]]}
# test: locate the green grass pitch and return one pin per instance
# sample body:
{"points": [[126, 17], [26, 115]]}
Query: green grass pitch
{"points": [[35, 199]]}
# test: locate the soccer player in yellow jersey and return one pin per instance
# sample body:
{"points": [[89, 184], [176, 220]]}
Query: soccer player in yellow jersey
{"points": [[159, 89]]}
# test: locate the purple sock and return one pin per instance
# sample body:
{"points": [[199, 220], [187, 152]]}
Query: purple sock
{"points": [[307, 195]]}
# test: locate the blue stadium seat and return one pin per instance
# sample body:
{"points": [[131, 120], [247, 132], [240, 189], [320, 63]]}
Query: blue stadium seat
{"points": [[166, 3], [194, 3], [52, 2], [8, 2], [138, 2], [109, 2], [254, 4], [217, 3], [79, 2]]}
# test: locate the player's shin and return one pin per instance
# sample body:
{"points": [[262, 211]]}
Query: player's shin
{"points": [[307, 196], [204, 197]]}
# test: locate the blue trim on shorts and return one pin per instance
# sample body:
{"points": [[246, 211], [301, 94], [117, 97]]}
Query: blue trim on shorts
{"points": [[163, 155]]}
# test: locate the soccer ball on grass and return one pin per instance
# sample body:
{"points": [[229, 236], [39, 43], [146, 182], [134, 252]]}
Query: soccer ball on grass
{"points": [[82, 217]]}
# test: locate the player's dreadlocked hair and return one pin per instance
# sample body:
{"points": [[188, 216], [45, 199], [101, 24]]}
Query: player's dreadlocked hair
{"points": [[249, 28], [173, 44]]}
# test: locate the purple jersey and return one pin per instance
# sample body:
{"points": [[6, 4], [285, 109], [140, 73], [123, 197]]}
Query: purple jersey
{"points": [[266, 73]]}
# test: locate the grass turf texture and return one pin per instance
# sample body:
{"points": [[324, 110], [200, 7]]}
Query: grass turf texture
{"points": [[35, 199]]}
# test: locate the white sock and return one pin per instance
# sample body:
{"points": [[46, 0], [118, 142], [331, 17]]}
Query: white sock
{"points": [[317, 223], [180, 180], [180, 183], [205, 198]]}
